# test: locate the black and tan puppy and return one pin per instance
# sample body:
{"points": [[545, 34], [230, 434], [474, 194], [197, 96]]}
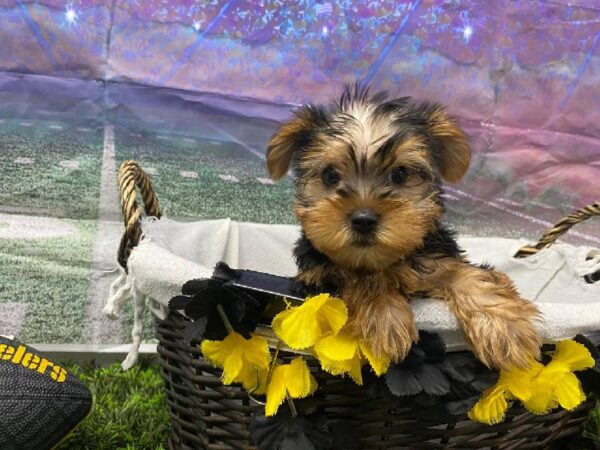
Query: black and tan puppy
{"points": [[368, 173]]}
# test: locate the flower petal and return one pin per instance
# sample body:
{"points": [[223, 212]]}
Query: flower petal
{"points": [[568, 392], [572, 356], [235, 353], [518, 381], [492, 406], [380, 364], [293, 379], [355, 371], [253, 379], [298, 383], [256, 352], [351, 367], [275, 390], [542, 399], [299, 327], [337, 347], [334, 313]]}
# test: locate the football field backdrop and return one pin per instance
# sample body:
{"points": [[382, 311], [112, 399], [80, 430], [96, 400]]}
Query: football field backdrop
{"points": [[193, 90]]}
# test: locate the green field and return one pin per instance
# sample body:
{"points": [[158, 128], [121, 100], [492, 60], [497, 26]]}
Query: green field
{"points": [[51, 277], [43, 186], [208, 196]]}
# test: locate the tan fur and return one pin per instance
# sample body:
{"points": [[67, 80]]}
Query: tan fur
{"points": [[498, 323], [456, 154], [280, 149]]}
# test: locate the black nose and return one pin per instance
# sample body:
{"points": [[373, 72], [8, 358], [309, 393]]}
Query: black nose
{"points": [[363, 220]]}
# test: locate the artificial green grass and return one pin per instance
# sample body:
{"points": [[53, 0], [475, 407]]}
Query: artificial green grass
{"points": [[44, 187], [51, 277], [129, 409], [208, 196]]}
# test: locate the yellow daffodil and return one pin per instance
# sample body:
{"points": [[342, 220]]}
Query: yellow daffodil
{"points": [[516, 383], [540, 388], [293, 379], [343, 353], [556, 384], [243, 361], [300, 326]]}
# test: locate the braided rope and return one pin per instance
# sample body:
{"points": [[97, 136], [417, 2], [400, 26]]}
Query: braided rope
{"points": [[132, 177], [561, 227]]}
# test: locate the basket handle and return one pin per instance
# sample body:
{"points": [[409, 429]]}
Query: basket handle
{"points": [[560, 228], [132, 176]]}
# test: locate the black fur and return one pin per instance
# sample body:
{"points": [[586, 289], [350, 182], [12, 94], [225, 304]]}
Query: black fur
{"points": [[439, 244]]}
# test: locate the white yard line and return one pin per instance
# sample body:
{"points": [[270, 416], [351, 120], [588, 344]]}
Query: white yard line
{"points": [[69, 164], [521, 215], [188, 174], [100, 329], [12, 316], [265, 181], [20, 226], [24, 160], [229, 178]]}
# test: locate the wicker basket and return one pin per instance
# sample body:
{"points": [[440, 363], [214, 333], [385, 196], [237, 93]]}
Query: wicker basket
{"points": [[205, 414]]}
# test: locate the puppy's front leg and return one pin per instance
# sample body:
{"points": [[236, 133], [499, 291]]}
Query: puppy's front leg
{"points": [[384, 320], [497, 322]]}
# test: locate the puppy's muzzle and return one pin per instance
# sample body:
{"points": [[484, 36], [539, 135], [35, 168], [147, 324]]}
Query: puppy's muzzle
{"points": [[364, 221]]}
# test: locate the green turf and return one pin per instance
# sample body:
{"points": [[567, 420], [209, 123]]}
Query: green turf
{"points": [[208, 196], [129, 410], [44, 187], [51, 276], [591, 428]]}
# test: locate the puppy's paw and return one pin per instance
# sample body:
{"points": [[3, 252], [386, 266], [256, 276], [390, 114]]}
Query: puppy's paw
{"points": [[505, 341], [300, 288], [387, 326]]}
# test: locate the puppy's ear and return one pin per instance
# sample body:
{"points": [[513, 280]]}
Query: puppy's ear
{"points": [[292, 137], [454, 152]]}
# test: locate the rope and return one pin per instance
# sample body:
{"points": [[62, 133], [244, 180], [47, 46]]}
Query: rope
{"points": [[131, 178], [561, 227]]}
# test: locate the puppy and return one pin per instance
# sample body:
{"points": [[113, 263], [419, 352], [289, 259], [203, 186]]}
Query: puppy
{"points": [[368, 172]]}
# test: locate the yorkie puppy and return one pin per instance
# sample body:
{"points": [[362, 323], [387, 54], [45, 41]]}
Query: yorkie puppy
{"points": [[368, 173]]}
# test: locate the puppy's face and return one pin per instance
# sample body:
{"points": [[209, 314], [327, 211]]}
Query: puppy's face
{"points": [[367, 174]]}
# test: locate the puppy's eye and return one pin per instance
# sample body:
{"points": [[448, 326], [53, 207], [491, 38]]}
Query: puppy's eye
{"points": [[398, 175], [330, 176]]}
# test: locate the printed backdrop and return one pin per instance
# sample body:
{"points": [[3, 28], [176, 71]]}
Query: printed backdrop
{"points": [[193, 90]]}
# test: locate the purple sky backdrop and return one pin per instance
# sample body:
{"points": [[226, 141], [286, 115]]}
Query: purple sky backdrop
{"points": [[522, 76]]}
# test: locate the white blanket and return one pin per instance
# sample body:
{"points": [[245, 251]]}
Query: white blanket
{"points": [[172, 253]]}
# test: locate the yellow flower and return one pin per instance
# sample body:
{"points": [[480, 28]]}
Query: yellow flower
{"points": [[556, 384], [492, 406], [293, 379], [343, 353], [300, 326], [540, 388], [243, 361], [516, 383]]}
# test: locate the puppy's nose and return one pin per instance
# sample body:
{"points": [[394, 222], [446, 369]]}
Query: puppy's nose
{"points": [[364, 220]]}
